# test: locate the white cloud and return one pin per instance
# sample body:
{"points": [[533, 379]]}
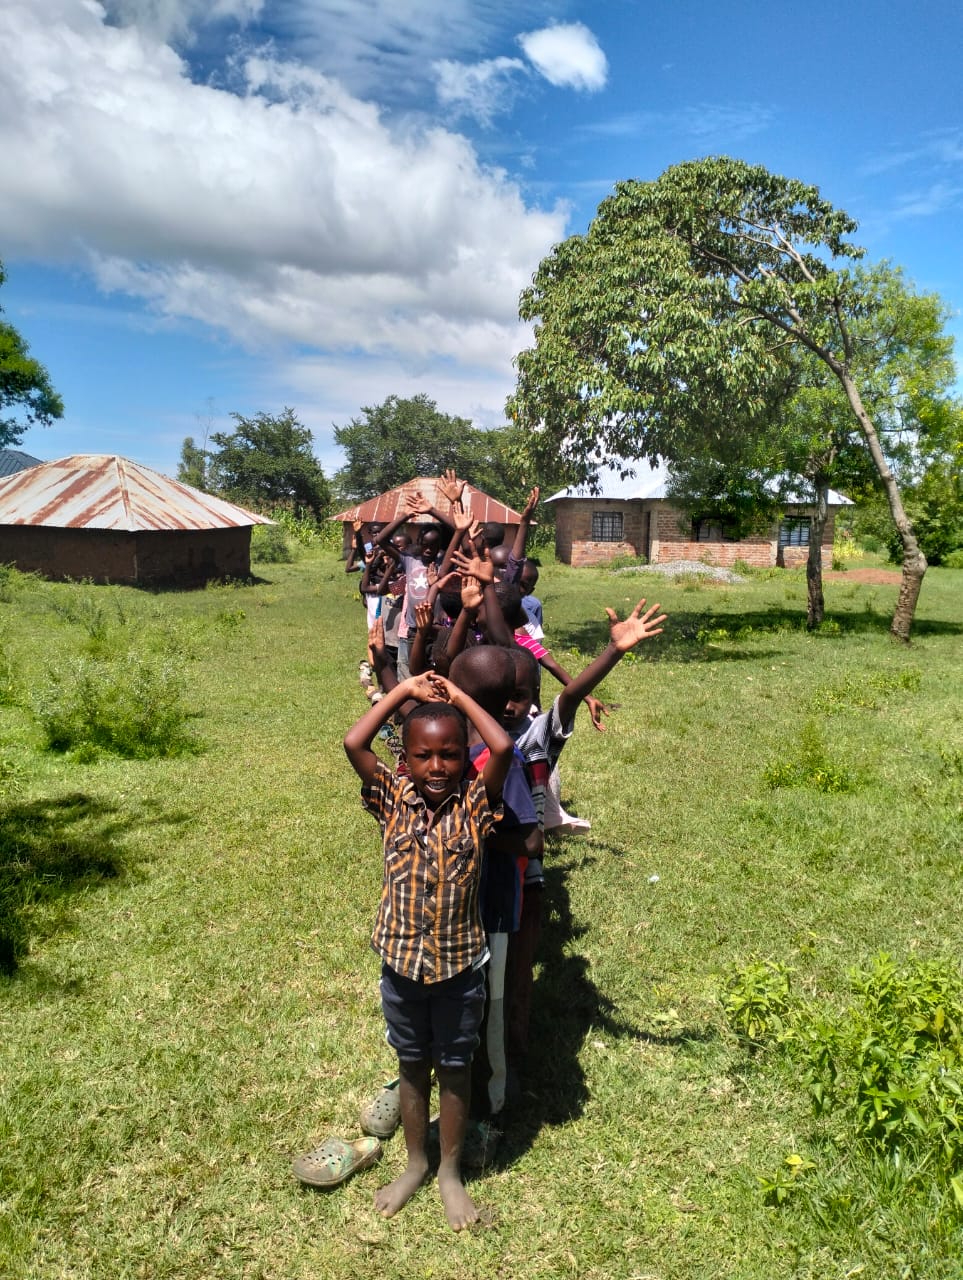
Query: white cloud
{"points": [[176, 19], [567, 55], [481, 89], [291, 211]]}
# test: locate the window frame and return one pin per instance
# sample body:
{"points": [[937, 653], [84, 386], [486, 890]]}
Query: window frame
{"points": [[600, 519]]}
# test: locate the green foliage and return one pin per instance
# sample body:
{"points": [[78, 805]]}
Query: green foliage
{"points": [[266, 461], [25, 387], [757, 1001], [810, 766], [193, 465], [300, 526], [132, 706], [954, 560], [269, 545], [888, 1067], [709, 317], [864, 691], [101, 614]]}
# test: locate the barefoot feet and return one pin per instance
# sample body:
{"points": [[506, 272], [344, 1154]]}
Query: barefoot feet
{"points": [[388, 1200], [459, 1206]]}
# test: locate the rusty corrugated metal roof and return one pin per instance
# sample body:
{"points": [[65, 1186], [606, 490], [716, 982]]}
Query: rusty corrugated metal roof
{"points": [[388, 506], [104, 491]]}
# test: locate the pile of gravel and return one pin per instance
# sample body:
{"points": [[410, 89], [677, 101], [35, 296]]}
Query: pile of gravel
{"points": [[675, 568]]}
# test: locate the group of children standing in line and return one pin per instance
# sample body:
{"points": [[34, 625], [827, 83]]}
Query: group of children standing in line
{"points": [[455, 656]]}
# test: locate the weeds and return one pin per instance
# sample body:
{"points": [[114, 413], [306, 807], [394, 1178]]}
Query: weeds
{"points": [[864, 691], [889, 1067], [810, 767], [132, 707], [269, 545]]}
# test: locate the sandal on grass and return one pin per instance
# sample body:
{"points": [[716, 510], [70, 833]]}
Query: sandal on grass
{"points": [[381, 1114], [335, 1160]]}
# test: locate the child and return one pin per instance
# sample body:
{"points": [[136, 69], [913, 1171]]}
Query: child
{"points": [[428, 930], [487, 674], [540, 738]]}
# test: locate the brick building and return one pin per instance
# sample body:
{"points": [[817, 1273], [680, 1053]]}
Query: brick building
{"points": [[632, 517]]}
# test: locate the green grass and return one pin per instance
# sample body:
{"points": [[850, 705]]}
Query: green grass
{"points": [[197, 1002]]}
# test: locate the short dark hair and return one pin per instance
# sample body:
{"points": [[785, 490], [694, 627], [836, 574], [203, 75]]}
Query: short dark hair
{"points": [[526, 666], [436, 711], [493, 533], [487, 674]]}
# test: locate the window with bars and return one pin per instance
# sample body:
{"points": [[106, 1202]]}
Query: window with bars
{"points": [[794, 532], [712, 530], [606, 526]]}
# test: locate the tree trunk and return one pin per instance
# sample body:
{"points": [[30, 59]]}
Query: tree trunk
{"points": [[816, 604], [914, 562]]}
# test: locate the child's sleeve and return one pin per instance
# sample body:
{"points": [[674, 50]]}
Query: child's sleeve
{"points": [[380, 796]]}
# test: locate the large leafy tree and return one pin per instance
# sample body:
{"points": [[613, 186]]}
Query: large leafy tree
{"points": [[26, 394], [678, 317], [267, 460]]}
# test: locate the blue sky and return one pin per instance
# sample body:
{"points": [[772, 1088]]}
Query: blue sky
{"points": [[217, 205]]}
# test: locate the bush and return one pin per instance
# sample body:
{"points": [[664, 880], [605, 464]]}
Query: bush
{"points": [[269, 545], [954, 560], [132, 707], [889, 1067]]}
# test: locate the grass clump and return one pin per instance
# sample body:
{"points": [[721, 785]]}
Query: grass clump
{"points": [[865, 691], [810, 766], [130, 707]]}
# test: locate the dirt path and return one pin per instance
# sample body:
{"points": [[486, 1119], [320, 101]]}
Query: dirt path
{"points": [[877, 577]]}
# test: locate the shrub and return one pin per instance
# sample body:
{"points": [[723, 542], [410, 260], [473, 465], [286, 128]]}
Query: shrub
{"points": [[954, 560], [889, 1067], [132, 707], [269, 545]]}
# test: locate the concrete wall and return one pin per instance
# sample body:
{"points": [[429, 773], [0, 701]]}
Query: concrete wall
{"points": [[176, 557], [661, 533]]}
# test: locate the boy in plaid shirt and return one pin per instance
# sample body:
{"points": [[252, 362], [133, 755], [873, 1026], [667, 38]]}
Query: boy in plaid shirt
{"points": [[428, 931]]}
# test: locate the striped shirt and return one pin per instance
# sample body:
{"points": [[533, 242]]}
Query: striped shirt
{"points": [[428, 926]]}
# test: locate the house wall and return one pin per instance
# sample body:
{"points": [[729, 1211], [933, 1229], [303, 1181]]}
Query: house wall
{"points": [[663, 533], [179, 557], [573, 530]]}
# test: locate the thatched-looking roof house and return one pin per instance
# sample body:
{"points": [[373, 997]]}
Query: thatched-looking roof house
{"points": [[102, 517], [388, 506]]}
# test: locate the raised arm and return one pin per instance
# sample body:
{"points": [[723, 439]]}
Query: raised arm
{"points": [[623, 636], [356, 554], [517, 554]]}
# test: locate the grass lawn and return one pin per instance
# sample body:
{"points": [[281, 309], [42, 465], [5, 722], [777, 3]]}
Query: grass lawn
{"points": [[197, 1000]]}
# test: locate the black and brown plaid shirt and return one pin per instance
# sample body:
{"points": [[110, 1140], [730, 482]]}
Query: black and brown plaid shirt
{"points": [[428, 926]]}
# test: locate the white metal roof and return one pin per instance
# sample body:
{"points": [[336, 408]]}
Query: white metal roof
{"points": [[651, 480]]}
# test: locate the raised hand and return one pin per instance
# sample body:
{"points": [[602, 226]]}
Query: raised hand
{"points": [[530, 505], [471, 592], [450, 486], [462, 520], [424, 616], [478, 566], [417, 504], [635, 627], [424, 688]]}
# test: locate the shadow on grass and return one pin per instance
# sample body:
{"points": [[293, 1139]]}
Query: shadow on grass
{"points": [[51, 849], [698, 635], [566, 1007]]}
